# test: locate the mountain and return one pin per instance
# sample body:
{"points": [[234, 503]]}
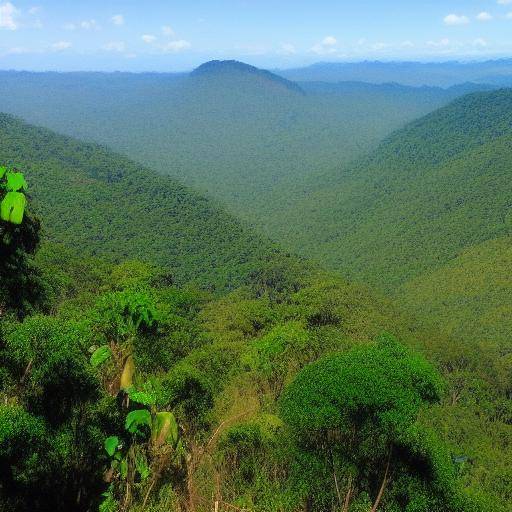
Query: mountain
{"points": [[245, 136], [105, 205], [442, 74], [238, 71], [428, 206]]}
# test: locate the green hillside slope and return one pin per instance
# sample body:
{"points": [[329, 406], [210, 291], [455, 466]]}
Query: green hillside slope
{"points": [[243, 135], [106, 205], [470, 297], [432, 189]]}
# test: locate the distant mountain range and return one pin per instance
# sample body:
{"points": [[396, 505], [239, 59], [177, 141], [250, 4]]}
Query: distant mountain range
{"points": [[442, 74]]}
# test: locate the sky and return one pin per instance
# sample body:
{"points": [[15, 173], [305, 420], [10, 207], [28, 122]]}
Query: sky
{"points": [[158, 35]]}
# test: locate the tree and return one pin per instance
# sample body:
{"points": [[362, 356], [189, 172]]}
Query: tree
{"points": [[20, 286], [354, 416]]}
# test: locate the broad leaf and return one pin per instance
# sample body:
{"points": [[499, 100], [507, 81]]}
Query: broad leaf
{"points": [[137, 419], [16, 181], [12, 207], [100, 355], [111, 444], [164, 429], [3, 170]]}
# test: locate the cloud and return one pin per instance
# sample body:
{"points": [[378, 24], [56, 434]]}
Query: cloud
{"points": [[115, 46], [505, 2], [329, 41], [175, 46], [168, 31], [34, 10], [443, 43], [326, 46], [287, 49], [480, 42], [148, 38], [509, 16], [69, 26], [8, 15], [118, 19], [455, 19], [89, 25], [61, 45], [484, 16]]}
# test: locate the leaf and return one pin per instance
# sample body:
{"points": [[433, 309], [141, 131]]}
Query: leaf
{"points": [[127, 375], [100, 355], [123, 468], [16, 181], [111, 444], [136, 419], [141, 397], [12, 207], [164, 429], [3, 170], [142, 467]]}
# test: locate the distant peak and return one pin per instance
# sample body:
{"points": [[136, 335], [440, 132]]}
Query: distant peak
{"points": [[234, 67]]}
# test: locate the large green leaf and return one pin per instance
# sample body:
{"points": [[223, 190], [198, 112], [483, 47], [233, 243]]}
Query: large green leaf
{"points": [[3, 170], [136, 419], [16, 181], [164, 429], [111, 444], [100, 355], [12, 207]]}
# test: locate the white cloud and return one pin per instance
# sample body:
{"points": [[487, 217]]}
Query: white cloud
{"points": [[407, 44], [168, 31], [455, 19], [443, 43], [175, 46], [89, 25], [61, 45], [509, 16], [34, 10], [69, 26], [379, 46], [484, 16], [148, 38], [480, 42], [326, 46], [8, 15], [115, 46], [329, 41], [287, 49], [505, 2], [118, 19]]}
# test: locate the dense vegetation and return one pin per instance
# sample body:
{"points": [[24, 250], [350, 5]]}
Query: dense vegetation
{"points": [[437, 188], [242, 135], [156, 354], [107, 205]]}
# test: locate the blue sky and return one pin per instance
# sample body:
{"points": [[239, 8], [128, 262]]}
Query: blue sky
{"points": [[173, 35]]}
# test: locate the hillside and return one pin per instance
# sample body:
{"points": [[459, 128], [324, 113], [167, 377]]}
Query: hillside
{"points": [[108, 206], [468, 298], [442, 74], [420, 211], [241, 134]]}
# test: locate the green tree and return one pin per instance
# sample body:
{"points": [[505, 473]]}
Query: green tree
{"points": [[355, 419]]}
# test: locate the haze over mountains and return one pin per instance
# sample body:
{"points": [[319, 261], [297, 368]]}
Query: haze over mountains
{"points": [[245, 136], [443, 74]]}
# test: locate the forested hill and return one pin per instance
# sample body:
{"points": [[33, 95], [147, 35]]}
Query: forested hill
{"points": [[432, 189], [104, 204], [235, 132]]}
